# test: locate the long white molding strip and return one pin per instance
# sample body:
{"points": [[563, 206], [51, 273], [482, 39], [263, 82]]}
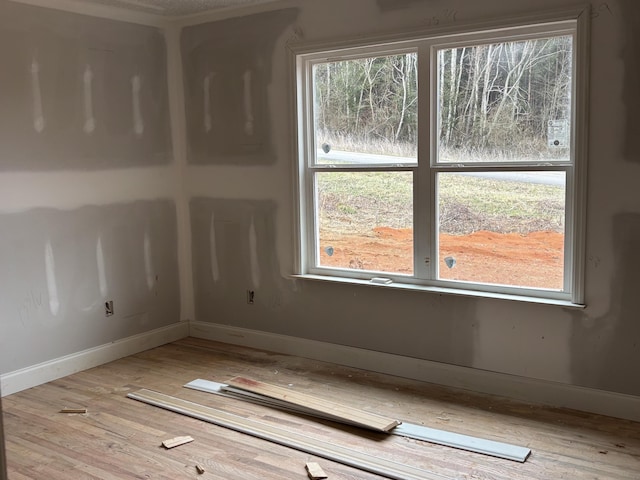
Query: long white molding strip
{"points": [[529, 390], [463, 442], [22, 379], [410, 430], [303, 443]]}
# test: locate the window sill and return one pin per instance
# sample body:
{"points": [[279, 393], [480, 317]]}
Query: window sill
{"points": [[441, 290]]}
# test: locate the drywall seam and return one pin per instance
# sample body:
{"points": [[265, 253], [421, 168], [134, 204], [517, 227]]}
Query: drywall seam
{"points": [[32, 376], [68, 190], [101, 11], [303, 443], [180, 167], [233, 182], [512, 386]]}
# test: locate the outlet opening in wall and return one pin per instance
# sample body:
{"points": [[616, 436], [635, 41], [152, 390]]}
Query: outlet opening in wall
{"points": [[108, 308]]}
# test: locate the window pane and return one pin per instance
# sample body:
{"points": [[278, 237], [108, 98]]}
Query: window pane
{"points": [[502, 228], [505, 101], [365, 221], [366, 110]]}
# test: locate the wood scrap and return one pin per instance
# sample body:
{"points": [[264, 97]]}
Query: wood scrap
{"points": [[353, 415], [73, 410], [176, 441], [329, 450], [314, 471], [199, 469]]}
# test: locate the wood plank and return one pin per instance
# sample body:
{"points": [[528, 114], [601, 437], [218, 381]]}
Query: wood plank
{"points": [[177, 441], [405, 429], [314, 470], [346, 456], [351, 414]]}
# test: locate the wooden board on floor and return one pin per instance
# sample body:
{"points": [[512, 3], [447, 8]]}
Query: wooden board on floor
{"points": [[405, 429], [353, 415], [330, 451]]}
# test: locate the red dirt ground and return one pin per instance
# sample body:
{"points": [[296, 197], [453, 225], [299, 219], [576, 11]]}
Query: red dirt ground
{"points": [[533, 260]]}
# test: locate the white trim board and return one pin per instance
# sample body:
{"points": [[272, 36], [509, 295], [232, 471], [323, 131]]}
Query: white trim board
{"points": [[48, 371], [512, 386]]}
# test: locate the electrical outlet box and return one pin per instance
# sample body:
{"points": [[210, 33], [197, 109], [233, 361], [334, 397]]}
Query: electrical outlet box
{"points": [[108, 308], [251, 297]]}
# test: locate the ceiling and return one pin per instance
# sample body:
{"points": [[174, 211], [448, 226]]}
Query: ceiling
{"points": [[174, 8]]}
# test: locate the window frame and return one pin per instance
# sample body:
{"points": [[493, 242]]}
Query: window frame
{"points": [[426, 43]]}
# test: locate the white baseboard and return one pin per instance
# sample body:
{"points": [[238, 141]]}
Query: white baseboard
{"points": [[32, 376], [519, 388]]}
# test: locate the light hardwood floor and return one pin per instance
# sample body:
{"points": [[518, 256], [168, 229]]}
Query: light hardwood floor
{"points": [[120, 438]]}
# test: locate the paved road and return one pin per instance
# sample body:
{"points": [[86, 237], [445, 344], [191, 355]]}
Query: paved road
{"points": [[543, 178]]}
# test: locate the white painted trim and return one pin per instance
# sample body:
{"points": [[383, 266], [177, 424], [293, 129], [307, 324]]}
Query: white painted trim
{"points": [[101, 11], [48, 371], [512, 386]]}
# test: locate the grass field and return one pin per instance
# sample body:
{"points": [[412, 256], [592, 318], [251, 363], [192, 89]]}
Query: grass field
{"points": [[357, 202]]}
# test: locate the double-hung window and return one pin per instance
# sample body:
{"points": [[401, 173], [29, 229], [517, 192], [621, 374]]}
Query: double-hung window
{"points": [[450, 162]]}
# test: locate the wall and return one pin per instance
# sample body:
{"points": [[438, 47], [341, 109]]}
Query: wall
{"points": [[88, 195], [242, 206]]}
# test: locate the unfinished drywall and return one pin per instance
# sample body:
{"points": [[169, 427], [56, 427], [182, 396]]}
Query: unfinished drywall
{"points": [[80, 92], [61, 267], [630, 10], [227, 76], [601, 345], [88, 197], [594, 347]]}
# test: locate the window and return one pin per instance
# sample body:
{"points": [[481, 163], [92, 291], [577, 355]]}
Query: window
{"points": [[451, 162]]}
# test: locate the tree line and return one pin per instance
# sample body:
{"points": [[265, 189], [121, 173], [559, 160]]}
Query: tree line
{"points": [[490, 97]]}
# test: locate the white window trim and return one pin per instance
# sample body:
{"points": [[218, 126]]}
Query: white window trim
{"points": [[576, 20]]}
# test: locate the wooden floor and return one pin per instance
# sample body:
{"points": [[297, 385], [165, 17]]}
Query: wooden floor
{"points": [[119, 438]]}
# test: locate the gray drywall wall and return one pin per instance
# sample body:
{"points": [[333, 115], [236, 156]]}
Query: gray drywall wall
{"points": [[629, 54], [60, 267], [596, 347], [78, 92], [227, 78], [89, 209]]}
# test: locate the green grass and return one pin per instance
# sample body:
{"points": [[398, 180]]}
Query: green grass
{"points": [[357, 202]]}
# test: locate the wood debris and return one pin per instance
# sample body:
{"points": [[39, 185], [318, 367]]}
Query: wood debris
{"points": [[73, 410], [199, 469], [177, 441], [314, 471]]}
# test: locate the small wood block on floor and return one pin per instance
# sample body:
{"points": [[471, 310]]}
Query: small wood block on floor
{"points": [[176, 441], [73, 410], [352, 415], [314, 471]]}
